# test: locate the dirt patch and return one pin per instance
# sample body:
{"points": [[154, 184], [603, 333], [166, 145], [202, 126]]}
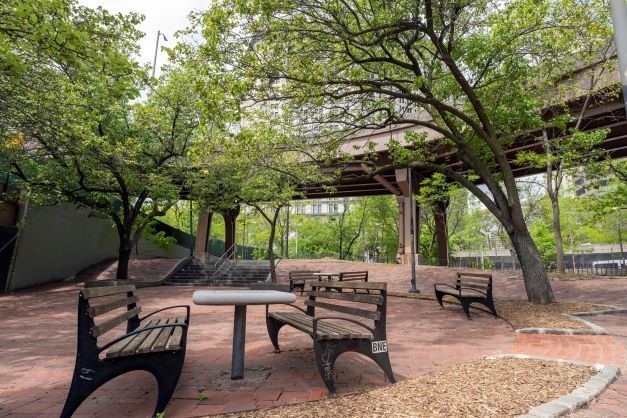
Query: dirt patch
{"points": [[523, 314], [486, 388]]}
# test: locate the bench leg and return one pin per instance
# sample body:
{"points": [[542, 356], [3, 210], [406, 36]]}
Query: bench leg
{"points": [[84, 382], [274, 327], [167, 374], [466, 306], [326, 353], [383, 361], [439, 296], [490, 305]]}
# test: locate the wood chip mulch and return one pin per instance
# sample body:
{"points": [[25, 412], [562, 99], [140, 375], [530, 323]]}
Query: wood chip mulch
{"points": [[523, 314], [483, 388]]}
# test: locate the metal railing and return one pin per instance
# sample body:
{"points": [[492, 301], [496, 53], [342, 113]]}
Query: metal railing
{"points": [[224, 259]]}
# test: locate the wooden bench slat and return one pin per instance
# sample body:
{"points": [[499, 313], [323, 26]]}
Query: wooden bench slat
{"points": [[475, 286], [131, 348], [326, 329], [97, 292], [351, 285], [354, 275], [483, 275], [107, 307], [146, 345], [474, 281], [116, 350], [345, 309], [174, 342], [164, 336], [354, 297], [98, 330]]}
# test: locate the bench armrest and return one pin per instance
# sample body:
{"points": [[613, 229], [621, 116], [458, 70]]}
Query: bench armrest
{"points": [[435, 286], [316, 319], [169, 307], [288, 304], [130, 334]]}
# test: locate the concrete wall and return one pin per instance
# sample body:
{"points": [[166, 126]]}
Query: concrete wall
{"points": [[56, 242]]}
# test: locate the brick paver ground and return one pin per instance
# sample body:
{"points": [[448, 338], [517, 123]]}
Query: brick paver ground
{"points": [[38, 331]]}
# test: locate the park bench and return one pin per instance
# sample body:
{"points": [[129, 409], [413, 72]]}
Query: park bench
{"points": [[469, 288], [300, 277], [354, 275], [156, 345], [360, 304]]}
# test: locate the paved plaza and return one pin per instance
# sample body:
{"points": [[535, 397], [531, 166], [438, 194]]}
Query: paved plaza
{"points": [[38, 346]]}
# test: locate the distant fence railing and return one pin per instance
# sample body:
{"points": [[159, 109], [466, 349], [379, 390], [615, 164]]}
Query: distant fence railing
{"points": [[597, 271]]}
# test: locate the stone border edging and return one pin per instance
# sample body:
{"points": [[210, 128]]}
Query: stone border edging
{"points": [[577, 398]]}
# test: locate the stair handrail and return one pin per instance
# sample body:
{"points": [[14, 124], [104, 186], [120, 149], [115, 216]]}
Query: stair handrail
{"points": [[224, 258]]}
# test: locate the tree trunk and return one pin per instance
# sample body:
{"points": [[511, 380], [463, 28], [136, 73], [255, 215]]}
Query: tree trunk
{"points": [[124, 255], [536, 281], [557, 232], [441, 232], [271, 244]]}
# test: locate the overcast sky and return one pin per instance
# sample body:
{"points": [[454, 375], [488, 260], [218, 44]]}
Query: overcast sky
{"points": [[168, 16]]}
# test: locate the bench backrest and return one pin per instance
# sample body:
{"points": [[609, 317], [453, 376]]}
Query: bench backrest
{"points": [[477, 281], [356, 299], [102, 308], [303, 274], [354, 275]]}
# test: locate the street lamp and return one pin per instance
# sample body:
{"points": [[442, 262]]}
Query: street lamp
{"points": [[154, 61], [619, 20]]}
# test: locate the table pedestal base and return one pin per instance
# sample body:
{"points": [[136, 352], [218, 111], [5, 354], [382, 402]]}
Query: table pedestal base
{"points": [[239, 342]]}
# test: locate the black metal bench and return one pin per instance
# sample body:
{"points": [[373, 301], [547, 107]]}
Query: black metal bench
{"points": [[469, 288], [354, 275], [364, 302], [151, 344], [300, 277]]}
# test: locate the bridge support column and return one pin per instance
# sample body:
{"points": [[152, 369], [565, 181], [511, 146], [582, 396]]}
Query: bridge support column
{"points": [[407, 209], [202, 233], [230, 218]]}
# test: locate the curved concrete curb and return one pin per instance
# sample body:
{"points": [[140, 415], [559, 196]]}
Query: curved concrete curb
{"points": [[593, 328], [575, 399]]}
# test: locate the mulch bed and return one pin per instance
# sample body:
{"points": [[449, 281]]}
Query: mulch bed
{"points": [[486, 388], [523, 314]]}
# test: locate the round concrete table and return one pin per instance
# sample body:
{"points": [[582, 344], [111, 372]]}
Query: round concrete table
{"points": [[241, 299]]}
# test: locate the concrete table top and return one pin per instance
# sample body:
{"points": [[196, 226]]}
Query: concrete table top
{"points": [[241, 297]]}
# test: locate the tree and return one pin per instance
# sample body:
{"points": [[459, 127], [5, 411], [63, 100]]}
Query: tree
{"points": [[71, 131], [470, 74]]}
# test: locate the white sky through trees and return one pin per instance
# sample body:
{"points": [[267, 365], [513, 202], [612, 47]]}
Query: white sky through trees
{"points": [[165, 15]]}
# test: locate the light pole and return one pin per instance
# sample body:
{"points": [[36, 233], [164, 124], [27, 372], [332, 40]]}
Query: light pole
{"points": [[154, 61], [412, 239], [619, 20]]}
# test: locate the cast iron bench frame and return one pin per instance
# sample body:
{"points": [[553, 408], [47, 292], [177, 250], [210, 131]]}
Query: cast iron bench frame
{"points": [[478, 284], [332, 339], [298, 278], [156, 345]]}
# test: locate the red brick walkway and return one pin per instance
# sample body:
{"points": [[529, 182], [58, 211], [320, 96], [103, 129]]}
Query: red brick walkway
{"points": [[38, 331]]}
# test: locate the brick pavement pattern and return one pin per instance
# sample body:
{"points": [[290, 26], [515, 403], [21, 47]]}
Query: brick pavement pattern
{"points": [[38, 332]]}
